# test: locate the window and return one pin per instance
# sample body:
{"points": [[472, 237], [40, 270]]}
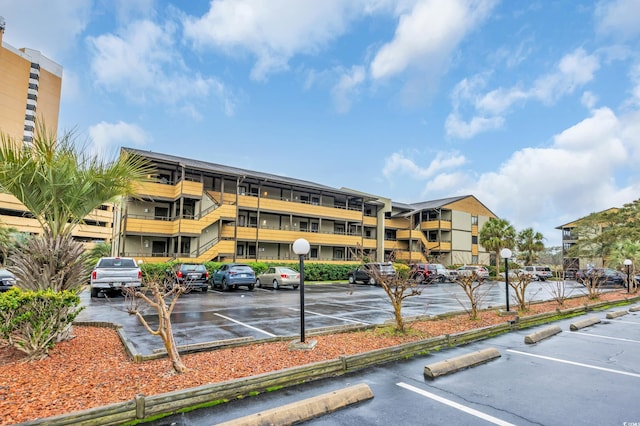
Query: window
{"points": [[433, 236], [474, 259], [252, 250], [240, 250], [315, 201], [474, 220], [313, 254], [314, 227], [474, 239], [367, 233]]}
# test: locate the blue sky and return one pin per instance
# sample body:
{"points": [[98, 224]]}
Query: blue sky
{"points": [[531, 106]]}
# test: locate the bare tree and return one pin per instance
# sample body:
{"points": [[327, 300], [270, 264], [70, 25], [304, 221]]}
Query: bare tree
{"points": [[519, 282], [558, 290], [397, 287], [475, 289], [163, 299]]}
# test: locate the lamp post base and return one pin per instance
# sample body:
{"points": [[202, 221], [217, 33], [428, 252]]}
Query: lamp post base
{"points": [[297, 345]]}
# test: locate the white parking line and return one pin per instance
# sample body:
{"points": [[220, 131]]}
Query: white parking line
{"points": [[245, 325], [330, 316], [607, 337], [579, 364], [455, 405]]}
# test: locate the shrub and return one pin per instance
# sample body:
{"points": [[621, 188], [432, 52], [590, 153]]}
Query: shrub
{"points": [[32, 321]]}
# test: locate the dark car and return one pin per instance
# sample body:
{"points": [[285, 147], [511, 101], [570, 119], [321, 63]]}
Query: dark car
{"points": [[192, 276], [7, 279], [371, 273], [233, 275], [601, 276]]}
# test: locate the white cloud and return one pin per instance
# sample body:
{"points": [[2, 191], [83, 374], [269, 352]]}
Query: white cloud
{"points": [[272, 31], [400, 164], [107, 138], [347, 87], [620, 18], [57, 30], [576, 174], [574, 70], [427, 34], [143, 63]]}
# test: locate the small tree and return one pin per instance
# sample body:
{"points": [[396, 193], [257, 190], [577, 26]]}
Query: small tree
{"points": [[163, 300], [397, 287], [519, 282], [475, 290]]}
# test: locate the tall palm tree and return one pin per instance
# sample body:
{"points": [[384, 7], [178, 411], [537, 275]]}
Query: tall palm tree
{"points": [[530, 244], [497, 234], [60, 186]]}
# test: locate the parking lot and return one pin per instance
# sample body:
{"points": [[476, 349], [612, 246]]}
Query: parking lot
{"points": [[584, 377], [218, 316]]}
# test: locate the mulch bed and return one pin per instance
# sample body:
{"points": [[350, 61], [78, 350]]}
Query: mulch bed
{"points": [[92, 369]]}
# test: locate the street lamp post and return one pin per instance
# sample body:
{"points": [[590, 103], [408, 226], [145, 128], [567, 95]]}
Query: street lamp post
{"points": [[627, 264], [505, 253], [301, 248]]}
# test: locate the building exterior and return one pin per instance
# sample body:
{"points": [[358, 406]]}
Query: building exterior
{"points": [[30, 87], [572, 233], [202, 211]]}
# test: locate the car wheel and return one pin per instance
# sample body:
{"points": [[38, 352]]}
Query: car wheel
{"points": [[95, 292], [295, 287], [258, 283], [372, 281], [250, 287], [352, 279], [276, 286], [225, 286], [419, 278], [441, 278]]}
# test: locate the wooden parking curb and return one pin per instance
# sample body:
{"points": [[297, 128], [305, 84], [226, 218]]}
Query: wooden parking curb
{"points": [[452, 365], [542, 334], [306, 409]]}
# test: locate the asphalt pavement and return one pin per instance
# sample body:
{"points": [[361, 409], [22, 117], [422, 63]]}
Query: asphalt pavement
{"points": [[218, 317]]}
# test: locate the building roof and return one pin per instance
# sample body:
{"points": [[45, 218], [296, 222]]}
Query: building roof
{"points": [[412, 208], [238, 172]]}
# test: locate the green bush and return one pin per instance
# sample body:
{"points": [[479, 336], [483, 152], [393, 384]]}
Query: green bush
{"points": [[32, 321]]}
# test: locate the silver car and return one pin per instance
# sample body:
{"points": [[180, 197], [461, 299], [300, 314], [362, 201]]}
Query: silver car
{"points": [[277, 276], [7, 279]]}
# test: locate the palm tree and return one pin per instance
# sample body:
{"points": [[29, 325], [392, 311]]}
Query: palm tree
{"points": [[60, 186], [529, 244], [497, 234], [7, 242]]}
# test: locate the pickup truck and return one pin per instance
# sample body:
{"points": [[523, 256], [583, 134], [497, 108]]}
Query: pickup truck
{"points": [[114, 273]]}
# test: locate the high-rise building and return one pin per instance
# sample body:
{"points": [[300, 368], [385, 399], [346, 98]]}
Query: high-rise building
{"points": [[30, 87]]}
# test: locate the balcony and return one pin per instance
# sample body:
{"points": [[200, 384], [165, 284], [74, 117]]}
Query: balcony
{"points": [[289, 236], [439, 246], [436, 224], [170, 191], [301, 208], [397, 223]]}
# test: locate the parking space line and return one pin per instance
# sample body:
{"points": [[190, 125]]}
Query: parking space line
{"points": [[245, 325], [306, 311], [626, 322], [578, 364], [608, 337], [455, 405]]}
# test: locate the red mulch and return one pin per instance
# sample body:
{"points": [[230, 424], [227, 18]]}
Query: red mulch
{"points": [[92, 369]]}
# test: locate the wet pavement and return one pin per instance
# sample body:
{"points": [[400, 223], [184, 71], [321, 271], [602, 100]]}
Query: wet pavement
{"points": [[218, 316]]}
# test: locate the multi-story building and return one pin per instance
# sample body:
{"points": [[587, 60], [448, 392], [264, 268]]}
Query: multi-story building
{"points": [[202, 211], [30, 87], [572, 234]]}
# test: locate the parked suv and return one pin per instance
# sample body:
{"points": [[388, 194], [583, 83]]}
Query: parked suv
{"points": [[538, 273], [233, 275], [368, 272], [430, 272], [193, 276]]}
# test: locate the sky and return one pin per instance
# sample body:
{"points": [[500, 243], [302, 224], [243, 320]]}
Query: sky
{"points": [[533, 107]]}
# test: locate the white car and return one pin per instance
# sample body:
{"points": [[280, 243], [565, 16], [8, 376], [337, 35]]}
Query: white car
{"points": [[468, 270]]}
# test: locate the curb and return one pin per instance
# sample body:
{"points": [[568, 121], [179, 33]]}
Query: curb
{"points": [[542, 334], [452, 365], [616, 314], [584, 323], [306, 409]]}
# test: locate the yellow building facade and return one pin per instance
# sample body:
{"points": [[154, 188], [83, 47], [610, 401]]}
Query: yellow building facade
{"points": [[199, 211], [30, 89]]}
